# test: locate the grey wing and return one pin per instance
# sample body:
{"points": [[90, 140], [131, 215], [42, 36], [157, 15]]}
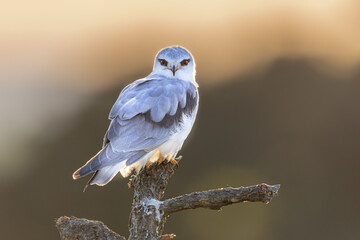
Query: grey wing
{"points": [[143, 118]]}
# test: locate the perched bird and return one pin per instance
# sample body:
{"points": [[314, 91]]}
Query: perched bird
{"points": [[150, 120]]}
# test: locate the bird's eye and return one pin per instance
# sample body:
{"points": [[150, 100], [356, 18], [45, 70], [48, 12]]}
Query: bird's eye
{"points": [[185, 62], [163, 62]]}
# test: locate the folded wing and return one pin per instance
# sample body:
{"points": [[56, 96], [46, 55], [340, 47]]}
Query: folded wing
{"points": [[143, 117]]}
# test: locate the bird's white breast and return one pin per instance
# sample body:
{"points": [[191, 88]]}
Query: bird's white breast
{"points": [[178, 136]]}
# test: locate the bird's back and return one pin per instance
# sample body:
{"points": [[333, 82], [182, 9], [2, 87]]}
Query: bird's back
{"points": [[150, 116]]}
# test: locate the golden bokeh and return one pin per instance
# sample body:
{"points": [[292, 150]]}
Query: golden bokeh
{"points": [[279, 103]]}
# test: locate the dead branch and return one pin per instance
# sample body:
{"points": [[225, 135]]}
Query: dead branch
{"points": [[217, 198], [146, 221], [148, 213], [72, 228]]}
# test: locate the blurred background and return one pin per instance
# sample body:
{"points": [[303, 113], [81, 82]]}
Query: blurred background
{"points": [[280, 103]]}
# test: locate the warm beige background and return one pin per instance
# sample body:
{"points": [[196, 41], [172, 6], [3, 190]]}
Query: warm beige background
{"points": [[280, 95], [92, 38]]}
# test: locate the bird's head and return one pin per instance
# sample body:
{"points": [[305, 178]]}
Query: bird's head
{"points": [[175, 62]]}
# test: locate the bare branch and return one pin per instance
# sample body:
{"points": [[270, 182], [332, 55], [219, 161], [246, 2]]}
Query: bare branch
{"points": [[146, 221], [149, 212], [72, 228], [217, 198]]}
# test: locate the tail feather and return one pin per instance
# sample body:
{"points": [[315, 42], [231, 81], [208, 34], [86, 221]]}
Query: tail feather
{"points": [[106, 174], [89, 182], [105, 157], [88, 167], [107, 163]]}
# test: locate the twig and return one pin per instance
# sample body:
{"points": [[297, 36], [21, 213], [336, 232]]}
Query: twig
{"points": [[167, 237], [217, 198]]}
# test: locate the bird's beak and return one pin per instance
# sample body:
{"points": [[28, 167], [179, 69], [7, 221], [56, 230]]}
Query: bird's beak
{"points": [[173, 69]]}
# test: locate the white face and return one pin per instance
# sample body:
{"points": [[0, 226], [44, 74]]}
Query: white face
{"points": [[175, 62]]}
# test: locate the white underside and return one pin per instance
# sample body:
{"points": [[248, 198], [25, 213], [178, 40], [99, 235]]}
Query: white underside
{"points": [[168, 150]]}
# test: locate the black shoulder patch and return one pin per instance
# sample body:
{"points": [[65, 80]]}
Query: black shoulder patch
{"points": [[169, 121]]}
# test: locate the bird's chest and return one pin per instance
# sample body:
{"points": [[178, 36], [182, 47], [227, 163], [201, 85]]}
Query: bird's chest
{"points": [[178, 136]]}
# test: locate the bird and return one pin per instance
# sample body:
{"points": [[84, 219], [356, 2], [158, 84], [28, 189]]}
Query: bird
{"points": [[150, 120]]}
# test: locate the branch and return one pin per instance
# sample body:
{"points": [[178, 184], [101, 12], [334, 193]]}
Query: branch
{"points": [[149, 212], [146, 221], [72, 228], [217, 198]]}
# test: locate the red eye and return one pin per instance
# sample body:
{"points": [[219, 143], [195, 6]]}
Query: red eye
{"points": [[185, 62], [163, 62]]}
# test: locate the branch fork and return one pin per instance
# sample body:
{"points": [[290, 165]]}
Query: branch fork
{"points": [[149, 213]]}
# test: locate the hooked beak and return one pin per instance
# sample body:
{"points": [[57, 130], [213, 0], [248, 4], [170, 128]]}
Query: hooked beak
{"points": [[173, 69]]}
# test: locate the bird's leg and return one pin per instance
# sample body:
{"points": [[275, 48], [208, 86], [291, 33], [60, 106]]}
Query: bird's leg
{"points": [[154, 159], [150, 164], [175, 161]]}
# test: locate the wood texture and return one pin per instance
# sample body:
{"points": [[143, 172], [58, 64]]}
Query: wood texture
{"points": [[149, 212]]}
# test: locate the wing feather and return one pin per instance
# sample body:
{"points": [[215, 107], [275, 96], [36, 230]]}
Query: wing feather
{"points": [[143, 117], [147, 117]]}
